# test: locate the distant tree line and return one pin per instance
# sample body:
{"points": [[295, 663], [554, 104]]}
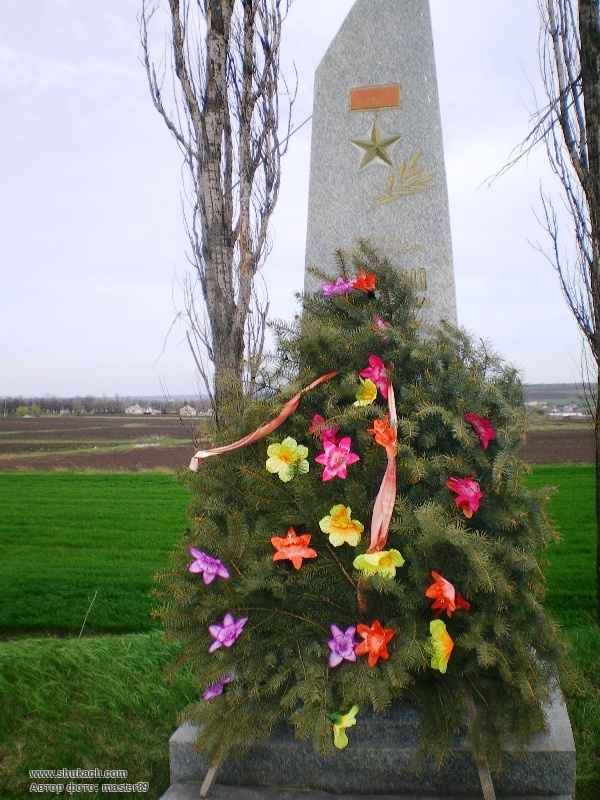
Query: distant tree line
{"points": [[89, 404]]}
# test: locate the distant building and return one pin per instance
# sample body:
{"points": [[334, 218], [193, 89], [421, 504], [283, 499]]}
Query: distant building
{"points": [[153, 412], [187, 411], [135, 409]]}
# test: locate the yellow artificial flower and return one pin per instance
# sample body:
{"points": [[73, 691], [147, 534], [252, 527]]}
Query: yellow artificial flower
{"points": [[366, 393], [340, 527], [340, 723], [287, 458], [440, 645], [383, 563]]}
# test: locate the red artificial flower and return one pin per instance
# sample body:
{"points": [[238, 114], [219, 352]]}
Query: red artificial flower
{"points": [[293, 547], [445, 596], [469, 494], [375, 641], [364, 282], [483, 429]]}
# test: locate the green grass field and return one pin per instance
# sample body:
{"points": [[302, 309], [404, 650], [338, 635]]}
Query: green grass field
{"points": [[66, 537], [104, 701]]}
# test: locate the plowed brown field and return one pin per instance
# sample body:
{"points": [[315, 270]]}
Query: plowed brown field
{"points": [[111, 443]]}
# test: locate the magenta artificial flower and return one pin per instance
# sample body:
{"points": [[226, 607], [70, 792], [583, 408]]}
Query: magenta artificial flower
{"points": [[483, 429], [469, 494], [376, 372], [336, 458], [342, 646], [339, 286], [327, 433], [380, 324], [225, 635], [215, 689], [209, 567]]}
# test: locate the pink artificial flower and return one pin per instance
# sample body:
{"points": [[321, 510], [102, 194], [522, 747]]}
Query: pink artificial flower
{"points": [[336, 458], [380, 325], [483, 429], [469, 494], [376, 372], [327, 433], [339, 286]]}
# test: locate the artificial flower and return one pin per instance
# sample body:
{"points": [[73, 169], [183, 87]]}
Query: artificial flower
{"points": [[209, 567], [365, 282], [469, 494], [385, 435], [327, 433], [376, 373], [375, 641], [340, 723], [383, 563], [336, 458], [287, 458], [293, 547], [342, 645], [445, 596], [380, 325], [215, 689], [340, 527], [440, 645], [366, 393], [483, 429], [339, 286], [225, 635]]}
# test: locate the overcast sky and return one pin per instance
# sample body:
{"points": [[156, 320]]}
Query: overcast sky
{"points": [[91, 237]]}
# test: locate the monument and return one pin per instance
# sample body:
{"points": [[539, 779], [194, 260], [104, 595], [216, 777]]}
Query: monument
{"points": [[377, 163], [377, 172]]}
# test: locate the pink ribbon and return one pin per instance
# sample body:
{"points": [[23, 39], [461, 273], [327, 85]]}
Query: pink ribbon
{"points": [[386, 497], [263, 430]]}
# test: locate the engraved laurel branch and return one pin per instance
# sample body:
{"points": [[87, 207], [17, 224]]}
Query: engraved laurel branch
{"points": [[409, 178]]}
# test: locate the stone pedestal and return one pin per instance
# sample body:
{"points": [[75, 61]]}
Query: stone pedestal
{"points": [[377, 765]]}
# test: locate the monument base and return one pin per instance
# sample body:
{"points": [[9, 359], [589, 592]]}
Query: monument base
{"points": [[377, 765]]}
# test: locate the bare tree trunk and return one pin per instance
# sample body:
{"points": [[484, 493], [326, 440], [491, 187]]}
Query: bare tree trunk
{"points": [[589, 32], [224, 115]]}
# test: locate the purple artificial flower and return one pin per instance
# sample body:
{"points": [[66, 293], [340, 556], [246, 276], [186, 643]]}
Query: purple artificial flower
{"points": [[209, 567], [225, 635], [339, 286], [215, 689], [342, 645]]}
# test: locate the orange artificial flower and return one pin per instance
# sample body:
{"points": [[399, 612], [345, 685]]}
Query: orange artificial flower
{"points": [[364, 282], [375, 641], [385, 435], [293, 547], [445, 596]]}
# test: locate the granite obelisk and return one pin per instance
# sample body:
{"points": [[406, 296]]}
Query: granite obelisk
{"points": [[377, 161]]}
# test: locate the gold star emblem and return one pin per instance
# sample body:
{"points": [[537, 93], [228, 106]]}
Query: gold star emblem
{"points": [[375, 147]]}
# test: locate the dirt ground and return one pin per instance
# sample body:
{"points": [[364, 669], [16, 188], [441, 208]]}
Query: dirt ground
{"points": [[134, 443], [107, 443]]}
